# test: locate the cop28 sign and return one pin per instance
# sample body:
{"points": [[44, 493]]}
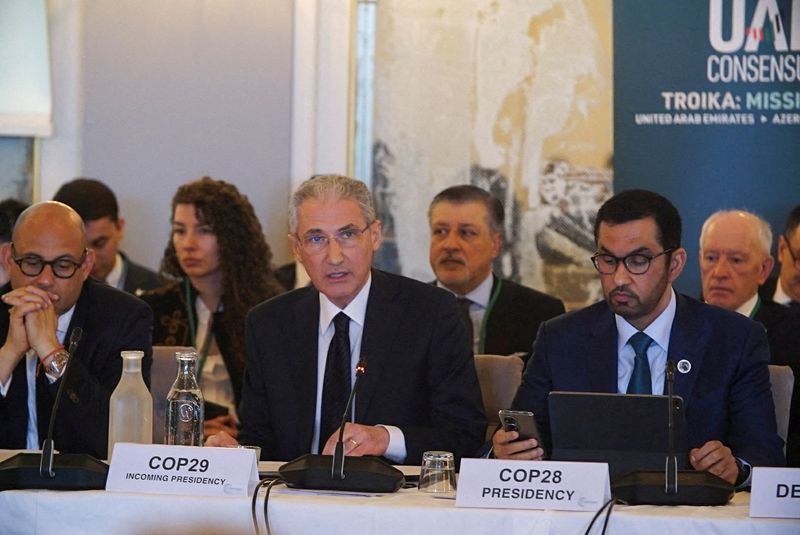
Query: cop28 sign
{"points": [[751, 73]]}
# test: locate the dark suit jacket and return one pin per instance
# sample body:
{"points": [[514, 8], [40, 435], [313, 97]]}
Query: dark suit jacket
{"points": [[171, 328], [783, 334], [420, 374], [112, 321], [138, 277], [515, 317], [726, 393]]}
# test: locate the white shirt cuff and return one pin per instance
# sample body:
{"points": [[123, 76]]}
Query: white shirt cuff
{"points": [[5, 386], [396, 452]]}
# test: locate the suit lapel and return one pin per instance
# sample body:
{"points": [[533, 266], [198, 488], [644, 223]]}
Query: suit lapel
{"points": [[304, 370], [384, 314], [601, 355], [686, 337]]}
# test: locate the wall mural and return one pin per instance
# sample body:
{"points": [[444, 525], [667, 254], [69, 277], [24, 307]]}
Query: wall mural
{"points": [[512, 96]]}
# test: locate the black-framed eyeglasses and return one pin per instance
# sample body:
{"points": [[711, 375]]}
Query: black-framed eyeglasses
{"points": [[795, 259], [63, 267], [636, 263], [316, 242]]}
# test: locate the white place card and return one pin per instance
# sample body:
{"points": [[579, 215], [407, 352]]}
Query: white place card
{"points": [[775, 492], [560, 486], [186, 470]]}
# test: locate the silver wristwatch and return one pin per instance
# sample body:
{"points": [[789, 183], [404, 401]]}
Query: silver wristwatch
{"points": [[57, 363]]}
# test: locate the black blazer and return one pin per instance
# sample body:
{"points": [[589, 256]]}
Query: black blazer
{"points": [[112, 321], [515, 318], [138, 278], [726, 392], [420, 372], [783, 334]]}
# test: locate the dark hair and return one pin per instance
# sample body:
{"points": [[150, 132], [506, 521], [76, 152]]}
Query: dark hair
{"points": [[89, 197], [635, 204], [468, 193], [9, 212], [244, 255], [793, 221]]}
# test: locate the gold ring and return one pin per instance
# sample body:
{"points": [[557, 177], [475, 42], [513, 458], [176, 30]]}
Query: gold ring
{"points": [[354, 443]]}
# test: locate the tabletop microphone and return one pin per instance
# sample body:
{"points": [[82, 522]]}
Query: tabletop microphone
{"points": [[672, 486], [65, 471], [339, 472]]}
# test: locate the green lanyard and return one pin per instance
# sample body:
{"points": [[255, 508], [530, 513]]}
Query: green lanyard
{"points": [[193, 330], [485, 320], [755, 308]]}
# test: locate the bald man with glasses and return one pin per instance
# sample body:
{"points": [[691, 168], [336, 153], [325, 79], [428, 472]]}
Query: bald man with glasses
{"points": [[49, 297]]}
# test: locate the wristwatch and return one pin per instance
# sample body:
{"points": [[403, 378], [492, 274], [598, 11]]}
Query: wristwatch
{"points": [[58, 362]]}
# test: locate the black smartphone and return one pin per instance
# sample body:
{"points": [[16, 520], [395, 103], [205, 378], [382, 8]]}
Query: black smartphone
{"points": [[211, 410], [522, 422]]}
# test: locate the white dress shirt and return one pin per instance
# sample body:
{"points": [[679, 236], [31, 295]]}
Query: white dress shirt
{"points": [[479, 298]]}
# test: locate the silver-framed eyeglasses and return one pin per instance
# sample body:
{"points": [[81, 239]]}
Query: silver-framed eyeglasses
{"points": [[32, 265], [636, 263], [316, 242]]}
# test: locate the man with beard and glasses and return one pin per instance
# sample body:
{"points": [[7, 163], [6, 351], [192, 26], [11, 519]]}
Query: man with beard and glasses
{"points": [[723, 377]]}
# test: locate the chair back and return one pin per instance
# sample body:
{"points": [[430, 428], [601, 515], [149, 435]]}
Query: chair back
{"points": [[162, 375], [781, 379], [499, 377]]}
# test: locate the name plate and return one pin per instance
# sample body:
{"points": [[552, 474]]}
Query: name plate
{"points": [[186, 470], [775, 492], [561, 486]]}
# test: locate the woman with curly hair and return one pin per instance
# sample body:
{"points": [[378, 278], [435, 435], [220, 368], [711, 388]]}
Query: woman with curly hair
{"points": [[221, 262]]}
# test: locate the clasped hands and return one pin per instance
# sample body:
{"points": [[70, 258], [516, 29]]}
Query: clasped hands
{"points": [[32, 325], [713, 456], [358, 440]]}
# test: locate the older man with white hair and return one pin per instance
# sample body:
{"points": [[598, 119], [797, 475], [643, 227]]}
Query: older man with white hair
{"points": [[734, 261]]}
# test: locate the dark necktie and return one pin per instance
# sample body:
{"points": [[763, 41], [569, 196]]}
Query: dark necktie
{"points": [[336, 385], [463, 307], [640, 379]]}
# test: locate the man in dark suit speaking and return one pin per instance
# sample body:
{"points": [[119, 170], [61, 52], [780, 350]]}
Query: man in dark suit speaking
{"points": [[622, 345], [466, 236], [50, 295], [420, 391]]}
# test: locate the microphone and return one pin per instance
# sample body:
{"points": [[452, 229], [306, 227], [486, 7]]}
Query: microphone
{"points": [[672, 486], [337, 466], [65, 471], [338, 472]]}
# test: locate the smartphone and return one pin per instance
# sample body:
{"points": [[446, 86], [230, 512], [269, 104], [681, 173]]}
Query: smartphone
{"points": [[521, 422], [211, 410]]}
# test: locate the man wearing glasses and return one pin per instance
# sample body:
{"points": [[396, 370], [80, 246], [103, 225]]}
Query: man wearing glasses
{"points": [[785, 290], [50, 298], [623, 343], [420, 390]]}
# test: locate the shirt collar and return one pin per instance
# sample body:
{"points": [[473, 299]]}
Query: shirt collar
{"points": [[659, 330], [356, 310], [481, 295], [113, 278], [747, 307], [63, 323], [781, 297]]}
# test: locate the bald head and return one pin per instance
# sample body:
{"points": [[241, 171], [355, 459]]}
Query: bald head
{"points": [[734, 257], [47, 236]]}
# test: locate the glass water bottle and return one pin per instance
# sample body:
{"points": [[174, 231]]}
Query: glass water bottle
{"points": [[130, 409], [185, 404]]}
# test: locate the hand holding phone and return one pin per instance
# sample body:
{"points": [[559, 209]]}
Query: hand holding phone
{"points": [[522, 422]]}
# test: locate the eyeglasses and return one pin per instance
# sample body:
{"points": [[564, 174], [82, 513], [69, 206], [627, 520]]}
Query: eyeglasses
{"points": [[316, 242], [32, 265], [795, 259], [636, 264]]}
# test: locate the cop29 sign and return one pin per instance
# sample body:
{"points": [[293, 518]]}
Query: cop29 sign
{"points": [[749, 76]]}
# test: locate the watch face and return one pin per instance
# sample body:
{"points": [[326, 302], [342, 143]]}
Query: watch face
{"points": [[58, 363]]}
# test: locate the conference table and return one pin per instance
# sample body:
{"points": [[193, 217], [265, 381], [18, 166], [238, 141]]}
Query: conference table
{"points": [[304, 512]]}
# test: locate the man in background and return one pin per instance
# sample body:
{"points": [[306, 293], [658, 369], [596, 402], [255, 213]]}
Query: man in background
{"points": [[9, 212], [97, 206], [501, 316], [622, 345], [48, 300], [734, 261], [420, 391], [785, 289]]}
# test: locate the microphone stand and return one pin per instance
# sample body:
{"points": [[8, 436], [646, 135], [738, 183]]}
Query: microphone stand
{"points": [[46, 464], [671, 468], [337, 466]]}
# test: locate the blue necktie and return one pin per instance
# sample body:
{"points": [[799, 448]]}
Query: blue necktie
{"points": [[640, 379]]}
